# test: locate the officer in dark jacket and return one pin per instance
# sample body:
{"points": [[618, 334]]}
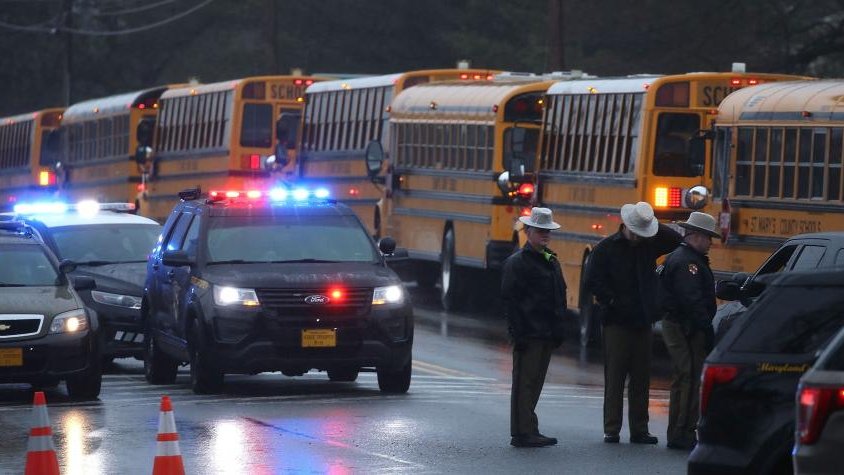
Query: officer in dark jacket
{"points": [[686, 299], [534, 294], [622, 276]]}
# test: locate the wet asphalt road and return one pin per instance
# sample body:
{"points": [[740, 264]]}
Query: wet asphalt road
{"points": [[455, 418]]}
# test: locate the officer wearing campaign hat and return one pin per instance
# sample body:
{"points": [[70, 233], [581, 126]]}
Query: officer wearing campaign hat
{"points": [[534, 294], [686, 299], [621, 275]]}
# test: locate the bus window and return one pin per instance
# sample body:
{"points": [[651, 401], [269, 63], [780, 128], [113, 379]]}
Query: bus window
{"points": [[672, 145], [257, 126], [520, 150]]}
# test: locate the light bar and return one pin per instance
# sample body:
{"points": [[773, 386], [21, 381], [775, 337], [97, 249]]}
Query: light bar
{"points": [[41, 208], [85, 207]]}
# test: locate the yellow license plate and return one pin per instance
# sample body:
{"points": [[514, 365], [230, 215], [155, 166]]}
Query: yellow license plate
{"points": [[319, 338], [11, 357]]}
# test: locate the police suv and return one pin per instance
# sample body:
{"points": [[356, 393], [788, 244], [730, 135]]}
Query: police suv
{"points": [[280, 280], [46, 334], [108, 243]]}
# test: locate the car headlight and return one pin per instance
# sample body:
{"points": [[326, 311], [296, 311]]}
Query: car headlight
{"points": [[70, 322], [392, 294], [119, 300], [226, 296]]}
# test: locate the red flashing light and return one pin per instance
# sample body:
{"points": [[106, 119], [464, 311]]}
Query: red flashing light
{"points": [[490, 77], [141, 187], [526, 190], [298, 82], [712, 376], [675, 197], [142, 106], [254, 162], [525, 212], [46, 178], [477, 77], [752, 82], [354, 191], [253, 194], [335, 294], [309, 82], [735, 82], [464, 76], [232, 194], [597, 227]]}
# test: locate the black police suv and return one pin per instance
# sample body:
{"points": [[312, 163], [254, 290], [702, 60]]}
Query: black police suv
{"points": [[46, 333], [747, 409], [103, 242], [257, 282]]}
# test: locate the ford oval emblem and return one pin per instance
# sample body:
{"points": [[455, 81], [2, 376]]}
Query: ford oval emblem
{"points": [[316, 299]]}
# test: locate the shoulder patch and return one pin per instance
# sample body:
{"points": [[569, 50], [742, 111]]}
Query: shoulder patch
{"points": [[693, 269]]}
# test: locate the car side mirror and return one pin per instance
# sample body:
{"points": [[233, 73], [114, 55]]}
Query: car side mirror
{"points": [[176, 258], [727, 290], [67, 266], [387, 245], [84, 283]]}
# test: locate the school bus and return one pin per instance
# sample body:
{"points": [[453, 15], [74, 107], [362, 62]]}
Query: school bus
{"points": [[225, 135], [607, 142], [462, 173], [342, 118], [25, 160], [101, 141], [777, 155]]}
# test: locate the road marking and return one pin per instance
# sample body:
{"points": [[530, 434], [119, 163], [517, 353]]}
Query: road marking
{"points": [[439, 370]]}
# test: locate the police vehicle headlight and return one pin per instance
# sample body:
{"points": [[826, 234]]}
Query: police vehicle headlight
{"points": [[118, 300], [393, 294], [69, 322], [226, 296]]}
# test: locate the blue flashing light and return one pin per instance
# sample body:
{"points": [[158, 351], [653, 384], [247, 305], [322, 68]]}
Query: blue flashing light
{"points": [[55, 207], [301, 194], [278, 194], [321, 193]]}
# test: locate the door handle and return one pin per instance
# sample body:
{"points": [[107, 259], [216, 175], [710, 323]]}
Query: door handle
{"points": [[171, 274]]}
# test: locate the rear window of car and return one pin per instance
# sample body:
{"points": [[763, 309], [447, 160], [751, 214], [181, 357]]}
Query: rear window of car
{"points": [[792, 320]]}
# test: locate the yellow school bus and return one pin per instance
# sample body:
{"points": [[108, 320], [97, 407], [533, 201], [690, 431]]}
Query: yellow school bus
{"points": [[607, 142], [342, 118], [25, 157], [777, 169], [462, 173], [223, 135], [102, 141]]}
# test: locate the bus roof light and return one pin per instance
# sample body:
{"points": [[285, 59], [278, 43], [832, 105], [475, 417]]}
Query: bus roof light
{"points": [[752, 82], [735, 82]]}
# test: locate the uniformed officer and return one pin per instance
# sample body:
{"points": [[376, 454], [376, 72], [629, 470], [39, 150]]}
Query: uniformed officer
{"points": [[622, 276], [534, 294], [686, 299]]}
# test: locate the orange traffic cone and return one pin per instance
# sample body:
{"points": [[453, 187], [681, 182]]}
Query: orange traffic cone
{"points": [[40, 451], [168, 457]]}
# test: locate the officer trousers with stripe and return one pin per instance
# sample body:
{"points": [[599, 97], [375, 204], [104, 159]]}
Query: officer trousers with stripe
{"points": [[687, 354], [529, 368]]}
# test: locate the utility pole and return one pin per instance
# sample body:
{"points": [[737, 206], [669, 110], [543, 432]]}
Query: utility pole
{"points": [[67, 23], [555, 59]]}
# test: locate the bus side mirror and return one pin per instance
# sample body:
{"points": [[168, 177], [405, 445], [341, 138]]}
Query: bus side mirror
{"points": [[374, 158], [697, 155], [142, 154]]}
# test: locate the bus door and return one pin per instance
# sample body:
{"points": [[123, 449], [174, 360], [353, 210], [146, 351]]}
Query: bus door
{"points": [[287, 136]]}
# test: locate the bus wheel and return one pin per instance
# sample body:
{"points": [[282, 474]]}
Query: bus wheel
{"points": [[590, 329], [449, 280]]}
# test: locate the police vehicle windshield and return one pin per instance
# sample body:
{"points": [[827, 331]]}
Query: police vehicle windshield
{"points": [[111, 243], [288, 238], [26, 266]]}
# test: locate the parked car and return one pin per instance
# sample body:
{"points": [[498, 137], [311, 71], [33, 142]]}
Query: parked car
{"points": [[801, 252], [819, 436], [107, 242], [747, 410], [46, 333]]}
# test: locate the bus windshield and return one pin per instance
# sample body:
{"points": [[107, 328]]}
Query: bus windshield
{"points": [[671, 150]]}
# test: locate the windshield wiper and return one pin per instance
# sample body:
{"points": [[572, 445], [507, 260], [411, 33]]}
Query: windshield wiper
{"points": [[306, 260], [234, 261], [94, 263], [4, 284]]}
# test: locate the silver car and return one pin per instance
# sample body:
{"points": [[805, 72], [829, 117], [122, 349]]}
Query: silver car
{"points": [[819, 435]]}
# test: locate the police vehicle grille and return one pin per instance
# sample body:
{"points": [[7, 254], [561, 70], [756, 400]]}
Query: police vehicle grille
{"points": [[16, 326], [355, 301]]}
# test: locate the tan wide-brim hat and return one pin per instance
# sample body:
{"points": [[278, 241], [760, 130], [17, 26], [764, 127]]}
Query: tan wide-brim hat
{"points": [[540, 218], [640, 219], [701, 223]]}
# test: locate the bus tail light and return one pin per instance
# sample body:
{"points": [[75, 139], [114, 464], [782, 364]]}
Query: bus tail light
{"points": [[526, 190], [251, 162], [46, 178], [814, 406], [668, 197], [714, 374]]}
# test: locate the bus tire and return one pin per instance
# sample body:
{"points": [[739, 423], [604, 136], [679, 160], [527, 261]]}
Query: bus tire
{"points": [[450, 292], [590, 328]]}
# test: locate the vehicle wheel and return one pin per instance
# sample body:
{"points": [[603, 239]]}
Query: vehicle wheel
{"points": [[158, 367], [590, 331], [345, 375], [205, 375], [397, 382], [87, 384], [450, 285]]}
